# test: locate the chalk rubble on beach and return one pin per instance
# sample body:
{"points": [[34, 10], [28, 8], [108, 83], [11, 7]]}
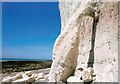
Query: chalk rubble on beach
{"points": [[26, 77]]}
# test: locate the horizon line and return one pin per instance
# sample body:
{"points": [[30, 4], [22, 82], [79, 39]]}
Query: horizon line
{"points": [[21, 58], [55, 1]]}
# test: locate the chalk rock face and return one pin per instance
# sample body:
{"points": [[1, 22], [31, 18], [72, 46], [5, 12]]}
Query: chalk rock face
{"points": [[106, 45], [88, 38]]}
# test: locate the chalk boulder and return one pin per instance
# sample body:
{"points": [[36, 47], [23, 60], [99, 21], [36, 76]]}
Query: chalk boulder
{"points": [[74, 79]]}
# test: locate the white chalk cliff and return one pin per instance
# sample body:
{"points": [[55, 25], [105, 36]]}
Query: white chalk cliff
{"points": [[87, 47]]}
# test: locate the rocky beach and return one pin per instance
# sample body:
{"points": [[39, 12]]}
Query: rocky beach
{"points": [[34, 76], [25, 71]]}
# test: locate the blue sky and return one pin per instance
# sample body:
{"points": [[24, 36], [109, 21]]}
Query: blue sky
{"points": [[29, 29], [0, 30]]}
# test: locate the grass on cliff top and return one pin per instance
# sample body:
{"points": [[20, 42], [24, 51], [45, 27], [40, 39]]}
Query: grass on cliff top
{"points": [[19, 66]]}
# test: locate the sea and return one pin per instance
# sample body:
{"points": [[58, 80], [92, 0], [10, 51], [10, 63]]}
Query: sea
{"points": [[21, 59]]}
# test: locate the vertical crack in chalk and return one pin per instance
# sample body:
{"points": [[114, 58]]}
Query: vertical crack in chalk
{"points": [[91, 55]]}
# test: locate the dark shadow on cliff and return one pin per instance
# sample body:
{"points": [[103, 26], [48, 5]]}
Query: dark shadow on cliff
{"points": [[91, 55]]}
